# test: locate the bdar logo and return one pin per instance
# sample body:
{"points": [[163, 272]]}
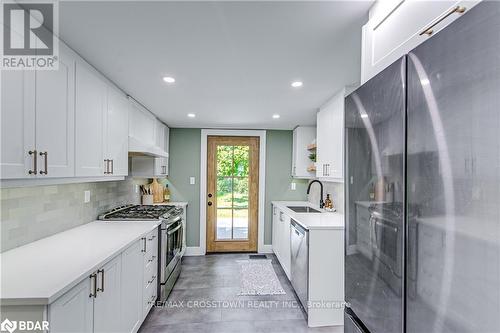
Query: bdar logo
{"points": [[8, 325]]}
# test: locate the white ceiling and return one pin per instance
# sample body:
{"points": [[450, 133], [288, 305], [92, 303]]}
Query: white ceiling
{"points": [[233, 61]]}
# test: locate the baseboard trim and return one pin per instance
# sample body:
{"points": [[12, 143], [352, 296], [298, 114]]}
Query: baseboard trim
{"points": [[266, 248], [194, 251]]}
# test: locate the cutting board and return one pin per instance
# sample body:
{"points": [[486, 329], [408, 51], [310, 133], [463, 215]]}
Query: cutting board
{"points": [[157, 190]]}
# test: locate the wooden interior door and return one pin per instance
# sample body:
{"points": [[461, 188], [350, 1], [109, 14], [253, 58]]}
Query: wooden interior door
{"points": [[232, 193]]}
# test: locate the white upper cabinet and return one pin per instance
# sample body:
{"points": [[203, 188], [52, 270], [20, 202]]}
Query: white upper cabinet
{"points": [[116, 133], [38, 123], [330, 139], [302, 166], [90, 116], [55, 117], [17, 124], [142, 125], [396, 27]]}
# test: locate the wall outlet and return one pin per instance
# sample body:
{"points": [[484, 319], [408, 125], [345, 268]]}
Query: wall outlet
{"points": [[192, 180], [86, 196], [293, 187]]}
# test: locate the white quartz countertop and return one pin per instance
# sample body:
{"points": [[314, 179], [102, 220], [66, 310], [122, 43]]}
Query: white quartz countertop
{"points": [[39, 272], [312, 221]]}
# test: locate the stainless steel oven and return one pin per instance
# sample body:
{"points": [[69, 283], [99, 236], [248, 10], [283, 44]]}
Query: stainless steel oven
{"points": [[171, 239]]}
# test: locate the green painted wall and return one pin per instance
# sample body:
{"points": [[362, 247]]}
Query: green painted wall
{"points": [[184, 162], [278, 175], [185, 145]]}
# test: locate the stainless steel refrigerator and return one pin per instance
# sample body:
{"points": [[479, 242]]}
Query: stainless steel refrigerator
{"points": [[423, 186]]}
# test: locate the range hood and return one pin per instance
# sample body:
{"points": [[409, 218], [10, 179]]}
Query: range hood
{"points": [[139, 148]]}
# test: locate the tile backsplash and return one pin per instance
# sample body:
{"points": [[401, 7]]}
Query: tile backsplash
{"points": [[336, 191], [31, 213]]}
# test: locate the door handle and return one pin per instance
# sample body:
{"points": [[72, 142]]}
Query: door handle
{"points": [[35, 167], [101, 271], [429, 31], [44, 172], [93, 288]]}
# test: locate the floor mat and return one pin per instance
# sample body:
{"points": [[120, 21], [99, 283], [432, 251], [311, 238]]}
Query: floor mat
{"points": [[257, 277]]}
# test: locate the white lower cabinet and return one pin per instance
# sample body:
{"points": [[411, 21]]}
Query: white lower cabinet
{"points": [[116, 297], [131, 285], [107, 301], [281, 239], [73, 312]]}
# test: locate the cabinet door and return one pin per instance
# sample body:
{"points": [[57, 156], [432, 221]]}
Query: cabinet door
{"points": [[167, 139], [17, 123], [142, 125], [73, 311], [275, 228], [336, 169], [107, 304], [324, 140], [395, 30], [90, 106], [285, 245], [161, 166], [131, 287], [160, 134], [116, 138], [330, 141], [55, 118]]}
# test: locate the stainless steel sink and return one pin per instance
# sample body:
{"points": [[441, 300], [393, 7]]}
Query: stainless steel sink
{"points": [[303, 209]]}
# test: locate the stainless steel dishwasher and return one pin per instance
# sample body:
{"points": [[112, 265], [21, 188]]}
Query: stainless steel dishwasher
{"points": [[299, 246]]}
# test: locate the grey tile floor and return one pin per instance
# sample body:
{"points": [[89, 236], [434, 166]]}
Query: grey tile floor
{"points": [[205, 299]]}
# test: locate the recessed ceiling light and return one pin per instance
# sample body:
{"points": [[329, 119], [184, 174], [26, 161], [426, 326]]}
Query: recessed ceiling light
{"points": [[297, 84], [276, 116], [191, 115], [168, 79]]}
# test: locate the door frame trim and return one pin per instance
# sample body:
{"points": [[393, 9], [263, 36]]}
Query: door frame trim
{"points": [[261, 134]]}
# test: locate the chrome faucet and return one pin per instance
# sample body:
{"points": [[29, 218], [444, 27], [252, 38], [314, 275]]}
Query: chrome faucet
{"points": [[321, 203]]}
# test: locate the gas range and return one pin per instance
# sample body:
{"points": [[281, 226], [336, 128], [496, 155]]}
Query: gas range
{"points": [[142, 213]]}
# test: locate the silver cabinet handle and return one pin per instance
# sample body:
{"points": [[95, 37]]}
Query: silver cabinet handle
{"points": [[101, 271], [281, 216], [106, 167], [144, 248], [112, 167], [44, 172], [35, 167], [93, 288], [429, 30]]}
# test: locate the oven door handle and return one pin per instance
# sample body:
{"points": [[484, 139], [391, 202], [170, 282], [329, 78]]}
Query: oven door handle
{"points": [[174, 230]]}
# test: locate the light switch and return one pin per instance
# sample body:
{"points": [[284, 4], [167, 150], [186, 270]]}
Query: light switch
{"points": [[293, 187], [86, 195], [192, 180]]}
